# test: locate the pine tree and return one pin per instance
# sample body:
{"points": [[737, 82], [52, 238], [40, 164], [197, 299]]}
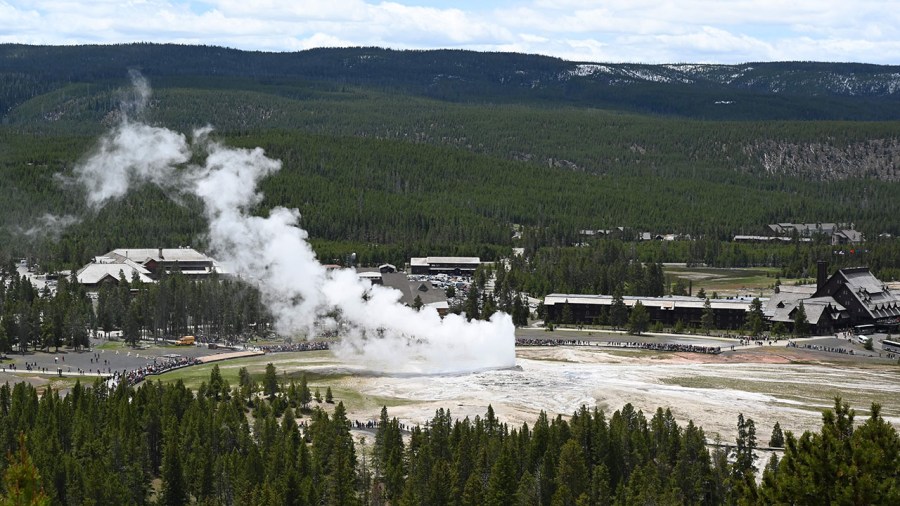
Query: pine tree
{"points": [[519, 312], [473, 492], [839, 464], [742, 481], [216, 383], [488, 306], [503, 480], [270, 382], [470, 307], [708, 320], [618, 312], [801, 324], [755, 318], [131, 325], [777, 438], [305, 393], [22, 481], [340, 480], [571, 473], [779, 329], [566, 317], [639, 319], [174, 486], [247, 385]]}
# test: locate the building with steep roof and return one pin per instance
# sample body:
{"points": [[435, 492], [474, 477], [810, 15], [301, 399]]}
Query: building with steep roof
{"points": [[105, 270], [867, 300], [187, 261], [147, 264], [839, 233], [824, 314], [850, 297]]}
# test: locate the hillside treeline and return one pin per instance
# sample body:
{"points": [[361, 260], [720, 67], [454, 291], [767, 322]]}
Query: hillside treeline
{"points": [[594, 140], [265, 442], [390, 200], [762, 90]]}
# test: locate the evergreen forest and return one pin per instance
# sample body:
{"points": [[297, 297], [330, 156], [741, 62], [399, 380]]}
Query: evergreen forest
{"points": [[385, 159], [267, 442]]}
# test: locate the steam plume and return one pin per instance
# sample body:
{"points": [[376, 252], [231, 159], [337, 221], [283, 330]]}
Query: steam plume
{"points": [[273, 253], [49, 225]]}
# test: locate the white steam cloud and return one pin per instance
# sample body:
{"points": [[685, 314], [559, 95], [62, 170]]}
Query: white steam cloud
{"points": [[272, 252], [49, 225]]}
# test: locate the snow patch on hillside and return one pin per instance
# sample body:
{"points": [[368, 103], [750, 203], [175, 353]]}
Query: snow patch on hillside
{"points": [[589, 69]]}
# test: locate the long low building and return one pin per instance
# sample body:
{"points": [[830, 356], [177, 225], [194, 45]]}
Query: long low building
{"points": [[586, 309], [444, 265]]}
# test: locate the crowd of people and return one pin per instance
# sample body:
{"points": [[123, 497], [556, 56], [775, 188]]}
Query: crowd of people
{"points": [[135, 376], [301, 346], [373, 424], [758, 342], [683, 348], [35, 367], [654, 346], [818, 347]]}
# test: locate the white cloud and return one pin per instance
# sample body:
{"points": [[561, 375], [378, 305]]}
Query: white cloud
{"points": [[615, 30]]}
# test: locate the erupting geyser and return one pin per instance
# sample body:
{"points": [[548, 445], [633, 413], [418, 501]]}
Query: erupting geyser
{"points": [[272, 252]]}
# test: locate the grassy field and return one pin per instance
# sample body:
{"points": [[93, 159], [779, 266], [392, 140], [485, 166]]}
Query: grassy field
{"points": [[752, 281], [321, 371]]}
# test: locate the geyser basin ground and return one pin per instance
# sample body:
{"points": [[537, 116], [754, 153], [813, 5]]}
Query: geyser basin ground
{"points": [[790, 386]]}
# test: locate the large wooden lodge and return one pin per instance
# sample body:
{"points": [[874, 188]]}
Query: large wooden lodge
{"points": [[849, 298]]}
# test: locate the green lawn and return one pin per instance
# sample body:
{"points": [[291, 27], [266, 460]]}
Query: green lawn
{"points": [[727, 282], [288, 366]]}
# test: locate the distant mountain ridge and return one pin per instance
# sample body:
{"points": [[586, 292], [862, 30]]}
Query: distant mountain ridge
{"points": [[776, 90], [792, 78]]}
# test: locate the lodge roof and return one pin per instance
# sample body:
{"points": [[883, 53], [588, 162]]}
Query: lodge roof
{"points": [[144, 255], [873, 295], [426, 292], [104, 267], [666, 303]]}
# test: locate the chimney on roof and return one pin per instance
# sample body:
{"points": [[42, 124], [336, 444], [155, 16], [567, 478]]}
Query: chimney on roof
{"points": [[821, 275], [160, 254]]}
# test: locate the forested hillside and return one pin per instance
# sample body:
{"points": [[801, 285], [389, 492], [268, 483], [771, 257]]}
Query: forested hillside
{"points": [[394, 153], [786, 90]]}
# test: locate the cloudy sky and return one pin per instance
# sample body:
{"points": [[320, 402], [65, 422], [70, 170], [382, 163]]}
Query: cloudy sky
{"points": [[648, 31]]}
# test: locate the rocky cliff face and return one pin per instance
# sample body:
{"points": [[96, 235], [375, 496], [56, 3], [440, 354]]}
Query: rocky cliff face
{"points": [[825, 161]]}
